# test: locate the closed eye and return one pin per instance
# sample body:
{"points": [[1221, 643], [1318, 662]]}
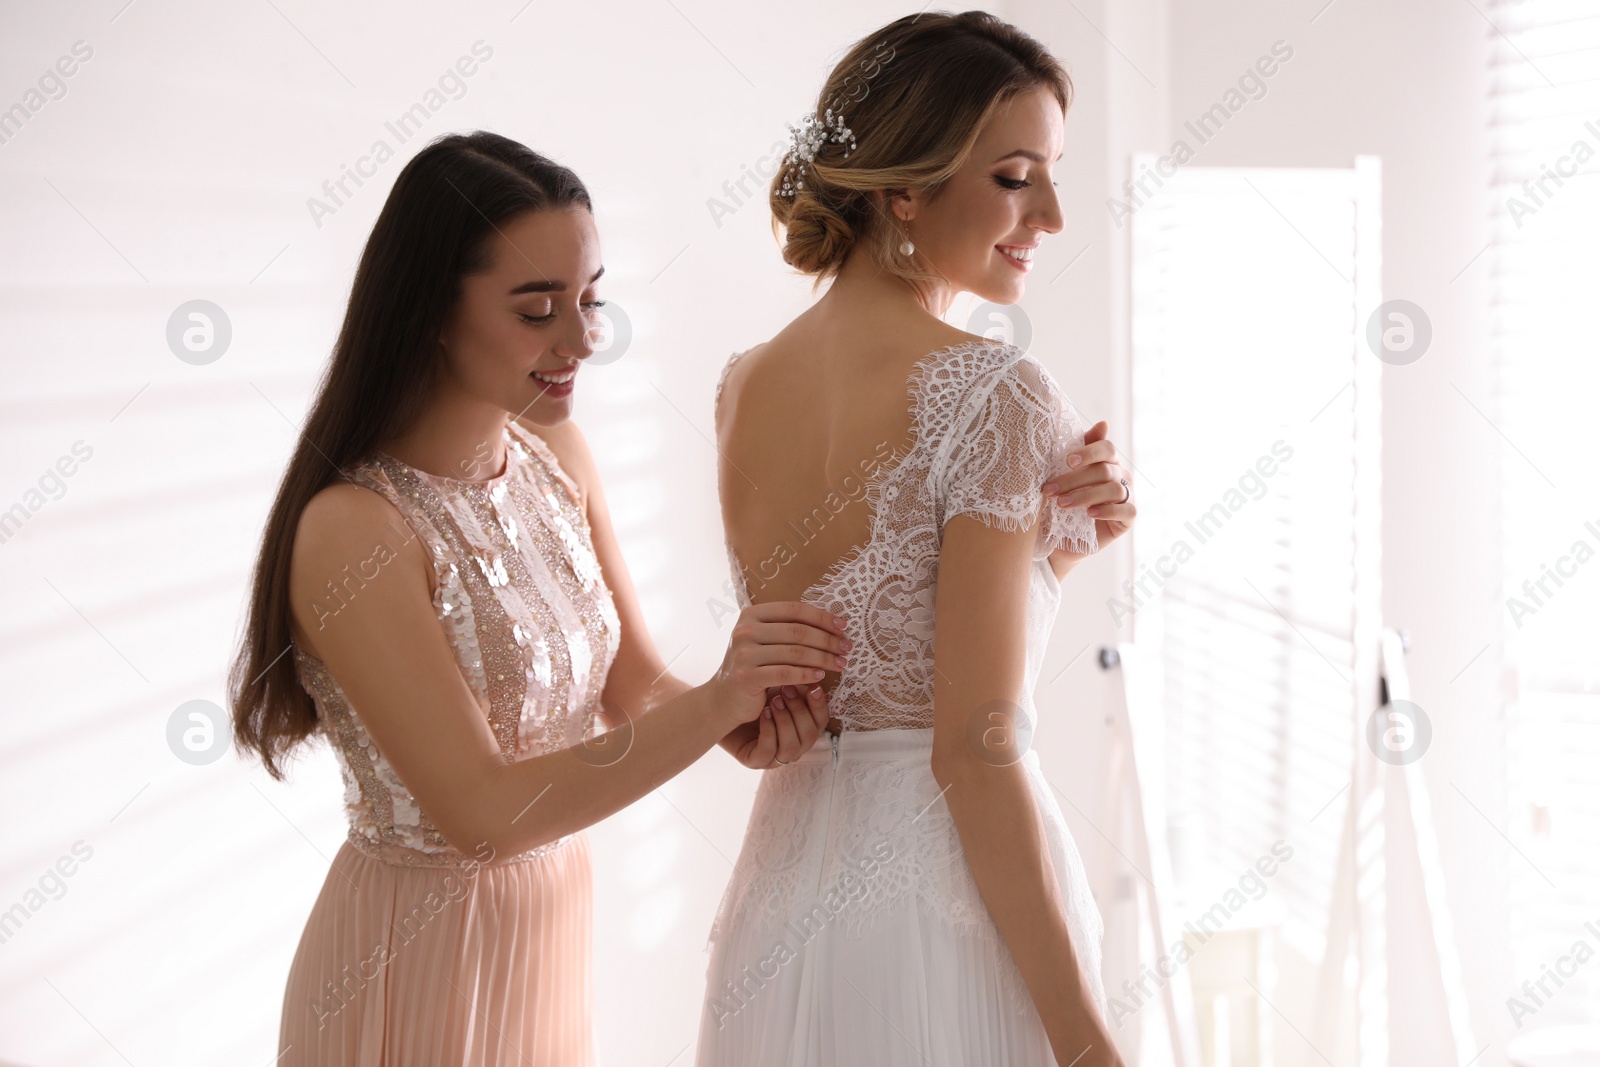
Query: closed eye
{"points": [[540, 320]]}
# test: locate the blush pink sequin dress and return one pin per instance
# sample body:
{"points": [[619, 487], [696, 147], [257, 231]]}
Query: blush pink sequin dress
{"points": [[417, 953]]}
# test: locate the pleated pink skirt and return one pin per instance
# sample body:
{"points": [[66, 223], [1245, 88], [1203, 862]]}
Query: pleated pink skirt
{"points": [[488, 966]]}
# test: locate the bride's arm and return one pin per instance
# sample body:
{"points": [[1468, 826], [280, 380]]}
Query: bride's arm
{"points": [[981, 621], [640, 681]]}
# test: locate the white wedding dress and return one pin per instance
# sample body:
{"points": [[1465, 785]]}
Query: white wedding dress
{"points": [[852, 932]]}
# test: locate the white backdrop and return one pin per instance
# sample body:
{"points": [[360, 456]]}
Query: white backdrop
{"points": [[175, 162]]}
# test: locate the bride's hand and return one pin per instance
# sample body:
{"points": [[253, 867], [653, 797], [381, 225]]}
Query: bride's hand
{"points": [[773, 645], [1095, 478], [791, 722]]}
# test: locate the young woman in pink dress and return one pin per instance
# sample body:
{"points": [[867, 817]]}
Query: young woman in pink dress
{"points": [[440, 595]]}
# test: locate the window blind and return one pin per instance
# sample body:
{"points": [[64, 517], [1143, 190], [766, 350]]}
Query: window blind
{"points": [[1544, 140]]}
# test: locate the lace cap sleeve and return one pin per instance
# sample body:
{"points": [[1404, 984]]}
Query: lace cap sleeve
{"points": [[1012, 432]]}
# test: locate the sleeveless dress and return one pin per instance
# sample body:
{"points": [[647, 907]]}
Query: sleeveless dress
{"points": [[416, 952], [852, 931]]}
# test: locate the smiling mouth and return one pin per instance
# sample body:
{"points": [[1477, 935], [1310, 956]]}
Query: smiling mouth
{"points": [[1019, 254], [556, 379]]}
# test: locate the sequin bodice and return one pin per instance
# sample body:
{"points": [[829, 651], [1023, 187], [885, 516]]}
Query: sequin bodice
{"points": [[521, 598]]}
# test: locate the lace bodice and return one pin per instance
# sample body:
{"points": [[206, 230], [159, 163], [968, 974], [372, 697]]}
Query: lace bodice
{"points": [[522, 600], [990, 426]]}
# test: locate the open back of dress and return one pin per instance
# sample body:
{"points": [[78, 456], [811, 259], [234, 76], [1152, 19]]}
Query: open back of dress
{"points": [[989, 428]]}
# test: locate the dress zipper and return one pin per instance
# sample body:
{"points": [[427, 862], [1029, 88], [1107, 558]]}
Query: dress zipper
{"points": [[827, 833]]}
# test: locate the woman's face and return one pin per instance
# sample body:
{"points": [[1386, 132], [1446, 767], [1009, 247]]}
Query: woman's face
{"points": [[521, 328], [981, 228]]}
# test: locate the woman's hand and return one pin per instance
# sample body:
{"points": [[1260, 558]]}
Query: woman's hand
{"points": [[790, 724], [782, 643], [1095, 478]]}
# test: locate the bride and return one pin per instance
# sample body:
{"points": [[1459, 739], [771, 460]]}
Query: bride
{"points": [[907, 892]]}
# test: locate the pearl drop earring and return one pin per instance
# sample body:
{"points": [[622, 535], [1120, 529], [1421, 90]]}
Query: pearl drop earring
{"points": [[906, 248]]}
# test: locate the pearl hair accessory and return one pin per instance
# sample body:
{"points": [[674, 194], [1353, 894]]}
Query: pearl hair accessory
{"points": [[806, 140]]}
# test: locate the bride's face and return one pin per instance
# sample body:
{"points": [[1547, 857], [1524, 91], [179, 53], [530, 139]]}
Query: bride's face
{"points": [[528, 318], [981, 229]]}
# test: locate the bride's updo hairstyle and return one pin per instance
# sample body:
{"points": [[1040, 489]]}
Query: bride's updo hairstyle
{"points": [[915, 95]]}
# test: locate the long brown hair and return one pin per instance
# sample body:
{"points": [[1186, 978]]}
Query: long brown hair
{"points": [[432, 232], [916, 94]]}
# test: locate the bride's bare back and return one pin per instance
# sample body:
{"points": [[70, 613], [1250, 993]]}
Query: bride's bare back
{"points": [[940, 423], [804, 421]]}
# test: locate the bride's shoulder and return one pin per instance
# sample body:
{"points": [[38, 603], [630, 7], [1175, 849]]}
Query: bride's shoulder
{"points": [[733, 368], [745, 357], [760, 362]]}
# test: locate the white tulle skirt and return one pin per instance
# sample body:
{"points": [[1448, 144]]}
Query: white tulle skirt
{"points": [[852, 931]]}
